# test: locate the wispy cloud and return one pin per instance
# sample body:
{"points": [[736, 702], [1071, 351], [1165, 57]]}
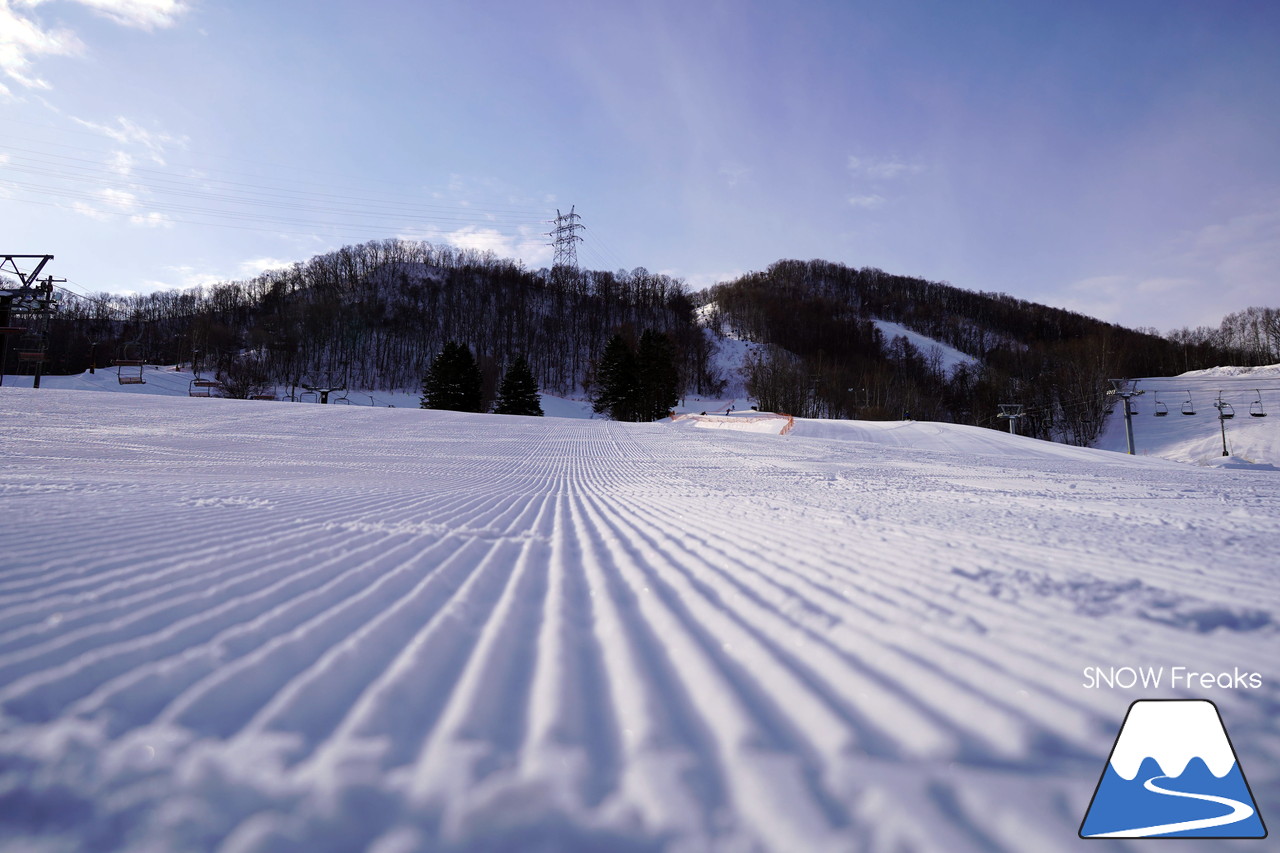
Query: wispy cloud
{"points": [[873, 178], [121, 163], [866, 201], [152, 219], [127, 132], [255, 266], [1211, 272], [141, 14], [24, 37], [883, 168], [524, 245]]}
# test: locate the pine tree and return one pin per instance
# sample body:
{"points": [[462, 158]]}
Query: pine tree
{"points": [[453, 381], [616, 381], [658, 383], [518, 394]]}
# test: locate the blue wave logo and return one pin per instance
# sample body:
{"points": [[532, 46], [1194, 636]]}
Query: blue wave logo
{"points": [[1173, 773]]}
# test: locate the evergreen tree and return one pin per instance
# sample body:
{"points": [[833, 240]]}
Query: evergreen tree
{"points": [[658, 385], [453, 381], [518, 394], [616, 381]]}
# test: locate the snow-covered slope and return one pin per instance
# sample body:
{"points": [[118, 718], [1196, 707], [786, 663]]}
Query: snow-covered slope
{"points": [[1198, 438], [948, 356], [265, 627], [165, 381]]}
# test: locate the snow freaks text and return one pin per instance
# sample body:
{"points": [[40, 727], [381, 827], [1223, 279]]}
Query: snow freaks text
{"points": [[1155, 677]]}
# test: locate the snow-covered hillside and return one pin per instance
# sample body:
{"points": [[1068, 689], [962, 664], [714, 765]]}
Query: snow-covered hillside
{"points": [[253, 626], [1198, 438], [948, 357]]}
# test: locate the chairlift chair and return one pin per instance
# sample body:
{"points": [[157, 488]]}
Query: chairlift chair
{"points": [[1255, 408], [1188, 408], [32, 346], [130, 360], [1225, 411], [1160, 408], [201, 387]]}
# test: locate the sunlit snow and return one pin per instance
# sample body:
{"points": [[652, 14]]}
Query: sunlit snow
{"points": [[264, 626]]}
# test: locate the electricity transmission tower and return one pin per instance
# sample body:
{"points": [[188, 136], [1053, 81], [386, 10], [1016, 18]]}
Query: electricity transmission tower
{"points": [[565, 240]]}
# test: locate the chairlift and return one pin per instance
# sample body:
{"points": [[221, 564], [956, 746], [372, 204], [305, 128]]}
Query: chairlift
{"points": [[32, 346], [1225, 411], [1160, 408], [1255, 408], [1188, 408], [130, 361], [201, 387]]}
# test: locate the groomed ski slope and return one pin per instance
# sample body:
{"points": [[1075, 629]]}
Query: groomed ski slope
{"points": [[243, 626]]}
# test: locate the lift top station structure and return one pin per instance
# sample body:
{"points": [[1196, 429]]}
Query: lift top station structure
{"points": [[25, 311]]}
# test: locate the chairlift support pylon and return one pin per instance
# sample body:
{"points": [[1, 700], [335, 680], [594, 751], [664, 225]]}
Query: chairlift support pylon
{"points": [[1010, 412], [1255, 408]]}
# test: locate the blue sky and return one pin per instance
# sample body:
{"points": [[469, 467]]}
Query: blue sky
{"points": [[1118, 159]]}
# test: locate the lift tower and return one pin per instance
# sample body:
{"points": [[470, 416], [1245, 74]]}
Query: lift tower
{"points": [[33, 300]]}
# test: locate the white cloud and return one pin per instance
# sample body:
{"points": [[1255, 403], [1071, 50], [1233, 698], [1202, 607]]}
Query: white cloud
{"points": [[142, 14], [121, 163], [525, 245], [187, 277], [1209, 273], [24, 38], [874, 176], [118, 198], [883, 169], [151, 220], [866, 201], [128, 132], [255, 266], [85, 209], [703, 280]]}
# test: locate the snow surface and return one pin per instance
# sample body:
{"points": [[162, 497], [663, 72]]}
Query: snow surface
{"points": [[1172, 733], [252, 626], [170, 381]]}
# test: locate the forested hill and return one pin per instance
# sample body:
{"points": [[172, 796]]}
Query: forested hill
{"points": [[829, 359], [374, 315]]}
